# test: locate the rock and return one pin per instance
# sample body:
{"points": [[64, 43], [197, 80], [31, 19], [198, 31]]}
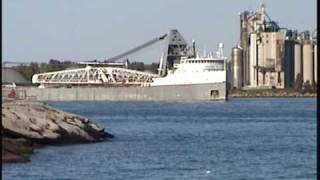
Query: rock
{"points": [[269, 93], [46, 125], [16, 150]]}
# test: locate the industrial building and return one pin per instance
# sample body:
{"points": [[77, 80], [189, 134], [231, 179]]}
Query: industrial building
{"points": [[268, 56], [301, 59]]}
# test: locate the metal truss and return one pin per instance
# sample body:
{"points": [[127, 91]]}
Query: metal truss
{"points": [[95, 75]]}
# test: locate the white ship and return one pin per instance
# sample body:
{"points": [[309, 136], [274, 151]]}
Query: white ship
{"points": [[183, 75], [208, 71], [199, 70]]}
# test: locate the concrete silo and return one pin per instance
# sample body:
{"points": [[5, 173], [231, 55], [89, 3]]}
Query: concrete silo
{"points": [[237, 63], [315, 63], [297, 60], [307, 61], [289, 63]]}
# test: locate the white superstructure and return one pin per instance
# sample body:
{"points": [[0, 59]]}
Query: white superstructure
{"points": [[200, 70]]}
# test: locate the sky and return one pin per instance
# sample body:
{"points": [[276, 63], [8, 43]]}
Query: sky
{"points": [[80, 30]]}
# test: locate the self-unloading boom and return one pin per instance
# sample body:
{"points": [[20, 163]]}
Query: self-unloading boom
{"points": [[133, 50]]}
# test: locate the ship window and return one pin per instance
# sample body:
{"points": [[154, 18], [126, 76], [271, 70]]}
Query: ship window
{"points": [[214, 93]]}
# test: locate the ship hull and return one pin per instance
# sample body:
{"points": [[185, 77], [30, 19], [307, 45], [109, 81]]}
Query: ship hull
{"points": [[192, 92]]}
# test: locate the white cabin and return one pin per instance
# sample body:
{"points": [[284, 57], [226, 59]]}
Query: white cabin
{"points": [[199, 70]]}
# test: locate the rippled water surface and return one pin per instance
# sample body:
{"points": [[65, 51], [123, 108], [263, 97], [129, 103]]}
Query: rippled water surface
{"points": [[258, 138]]}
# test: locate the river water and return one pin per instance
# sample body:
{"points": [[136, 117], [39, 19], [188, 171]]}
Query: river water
{"points": [[252, 138]]}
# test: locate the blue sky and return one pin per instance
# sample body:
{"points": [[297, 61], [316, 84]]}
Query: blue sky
{"points": [[38, 30]]}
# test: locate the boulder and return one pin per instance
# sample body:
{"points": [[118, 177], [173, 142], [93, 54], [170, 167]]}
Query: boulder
{"points": [[43, 124], [17, 150]]}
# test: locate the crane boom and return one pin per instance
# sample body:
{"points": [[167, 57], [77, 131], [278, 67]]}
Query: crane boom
{"points": [[137, 48]]}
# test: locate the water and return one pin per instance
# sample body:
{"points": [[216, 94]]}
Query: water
{"points": [[261, 138]]}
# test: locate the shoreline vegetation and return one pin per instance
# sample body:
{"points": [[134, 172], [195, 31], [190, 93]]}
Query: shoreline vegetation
{"points": [[27, 125], [255, 93]]}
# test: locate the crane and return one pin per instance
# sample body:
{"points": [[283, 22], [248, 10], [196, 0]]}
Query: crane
{"points": [[112, 61], [133, 50], [112, 75], [176, 46]]}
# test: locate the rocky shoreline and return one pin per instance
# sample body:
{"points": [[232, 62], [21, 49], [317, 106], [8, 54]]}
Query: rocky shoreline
{"points": [[28, 125], [270, 93]]}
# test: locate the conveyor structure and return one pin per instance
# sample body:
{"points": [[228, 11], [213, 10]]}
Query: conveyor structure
{"points": [[175, 48], [95, 75]]}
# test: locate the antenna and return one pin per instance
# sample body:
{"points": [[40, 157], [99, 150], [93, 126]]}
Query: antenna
{"points": [[194, 48], [204, 51], [220, 50]]}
